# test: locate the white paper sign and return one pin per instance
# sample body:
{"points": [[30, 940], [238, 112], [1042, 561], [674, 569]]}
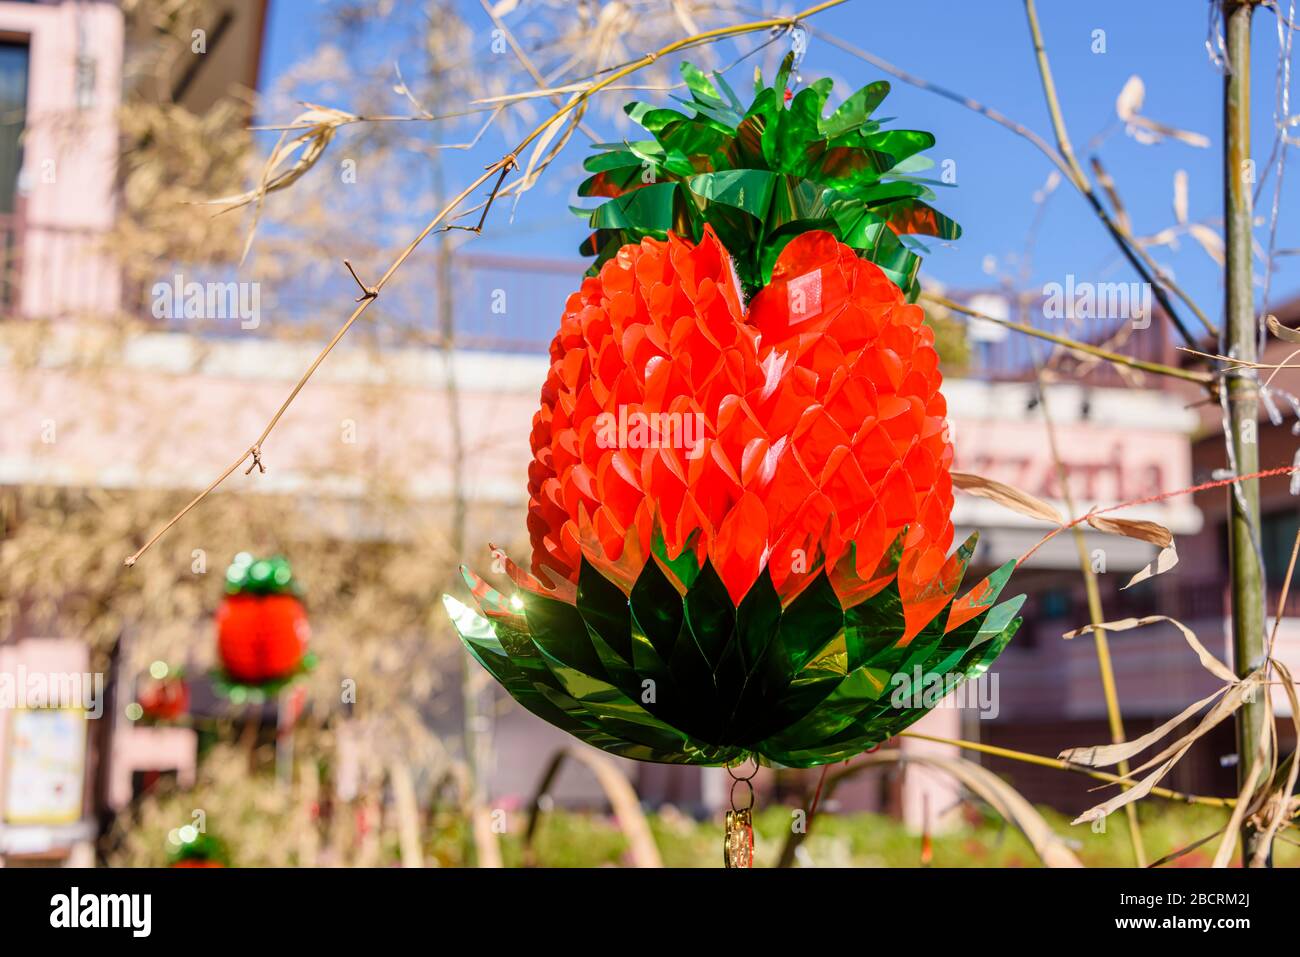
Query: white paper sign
{"points": [[45, 766]]}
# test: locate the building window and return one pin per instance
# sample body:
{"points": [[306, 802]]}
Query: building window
{"points": [[13, 119], [13, 122], [1056, 603], [1277, 537]]}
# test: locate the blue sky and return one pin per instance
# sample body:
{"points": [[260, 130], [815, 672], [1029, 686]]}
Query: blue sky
{"points": [[980, 49]]}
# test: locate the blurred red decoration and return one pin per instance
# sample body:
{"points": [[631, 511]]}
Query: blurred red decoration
{"points": [[821, 424], [165, 699], [261, 638]]}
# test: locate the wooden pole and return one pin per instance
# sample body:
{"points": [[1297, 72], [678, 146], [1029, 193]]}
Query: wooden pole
{"points": [[1242, 335]]}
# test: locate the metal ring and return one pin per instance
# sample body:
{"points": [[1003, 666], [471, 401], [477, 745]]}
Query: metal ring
{"points": [[744, 781], [746, 778]]}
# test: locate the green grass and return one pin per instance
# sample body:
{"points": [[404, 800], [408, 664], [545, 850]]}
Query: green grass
{"points": [[568, 839]]}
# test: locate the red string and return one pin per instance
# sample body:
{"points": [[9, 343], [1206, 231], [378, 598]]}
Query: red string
{"points": [[1267, 473], [817, 795], [1204, 486]]}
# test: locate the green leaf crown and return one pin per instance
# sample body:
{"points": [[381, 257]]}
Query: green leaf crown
{"points": [[764, 174], [247, 575]]}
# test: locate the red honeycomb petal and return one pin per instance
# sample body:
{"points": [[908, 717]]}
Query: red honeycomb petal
{"points": [[738, 550], [815, 419]]}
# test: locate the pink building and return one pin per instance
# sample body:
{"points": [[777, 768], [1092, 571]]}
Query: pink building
{"points": [[66, 754]]}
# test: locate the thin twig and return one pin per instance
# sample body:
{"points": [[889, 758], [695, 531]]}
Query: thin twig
{"points": [[1126, 232], [1059, 764], [1156, 368], [1286, 590], [254, 450], [1151, 499], [500, 168], [367, 292], [1073, 174], [526, 62], [1084, 185], [1093, 592], [1236, 364], [970, 103]]}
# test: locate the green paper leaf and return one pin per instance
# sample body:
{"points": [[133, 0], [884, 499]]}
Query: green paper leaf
{"points": [[614, 159], [795, 199], [900, 144], [783, 73], [746, 189], [854, 111], [605, 610], [690, 143], [557, 628], [648, 208], [666, 655], [652, 118], [729, 93], [911, 216], [874, 626], [849, 169]]}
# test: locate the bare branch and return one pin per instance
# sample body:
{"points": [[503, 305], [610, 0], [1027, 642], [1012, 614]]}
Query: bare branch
{"points": [[500, 168]]}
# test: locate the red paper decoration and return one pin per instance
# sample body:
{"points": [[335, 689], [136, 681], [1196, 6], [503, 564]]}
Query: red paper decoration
{"points": [[815, 416], [165, 699], [261, 638]]}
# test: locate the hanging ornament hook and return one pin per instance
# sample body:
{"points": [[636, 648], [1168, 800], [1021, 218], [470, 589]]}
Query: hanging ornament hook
{"points": [[798, 47], [738, 837]]}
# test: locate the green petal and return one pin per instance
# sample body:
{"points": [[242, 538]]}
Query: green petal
{"points": [[710, 616], [684, 567], [767, 668], [480, 640], [707, 626], [609, 624], [810, 621], [557, 628], [874, 625]]}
